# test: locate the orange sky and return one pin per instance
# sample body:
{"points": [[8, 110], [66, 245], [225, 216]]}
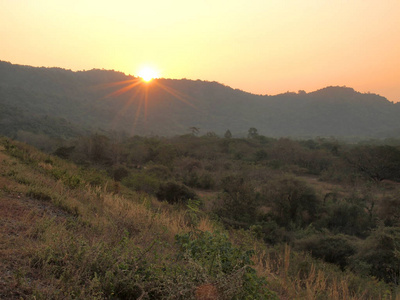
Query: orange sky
{"points": [[260, 46]]}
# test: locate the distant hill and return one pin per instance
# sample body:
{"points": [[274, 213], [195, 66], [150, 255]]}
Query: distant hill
{"points": [[63, 103]]}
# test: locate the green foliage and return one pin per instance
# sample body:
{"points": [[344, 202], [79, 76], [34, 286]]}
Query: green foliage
{"points": [[98, 247], [119, 172], [142, 182], [348, 218], [389, 211], [376, 162], [332, 249], [110, 270], [261, 155], [204, 180], [223, 262], [239, 202], [72, 181], [252, 133], [64, 152], [39, 194], [379, 255], [194, 211], [228, 134], [293, 202], [159, 171], [174, 192], [270, 232]]}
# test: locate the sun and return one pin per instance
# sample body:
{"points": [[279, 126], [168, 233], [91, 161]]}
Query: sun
{"points": [[148, 74]]}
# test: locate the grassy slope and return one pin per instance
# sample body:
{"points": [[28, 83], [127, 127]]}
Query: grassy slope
{"points": [[72, 233]]}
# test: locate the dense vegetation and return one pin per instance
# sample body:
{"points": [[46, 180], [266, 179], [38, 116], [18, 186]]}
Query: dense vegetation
{"points": [[234, 218], [95, 100], [321, 196], [337, 201], [231, 214]]}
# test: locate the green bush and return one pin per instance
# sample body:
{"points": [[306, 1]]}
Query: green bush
{"points": [[239, 202], [202, 181], [118, 173], [174, 192], [379, 255], [72, 181], [229, 266], [39, 195], [347, 218], [206, 181], [333, 249], [293, 202], [142, 182]]}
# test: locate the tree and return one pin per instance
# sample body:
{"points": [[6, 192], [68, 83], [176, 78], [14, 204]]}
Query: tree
{"points": [[376, 162], [336, 249], [239, 202], [194, 130], [292, 201], [252, 133], [380, 254], [228, 134]]}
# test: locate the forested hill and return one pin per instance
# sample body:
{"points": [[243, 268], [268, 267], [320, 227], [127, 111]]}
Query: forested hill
{"points": [[63, 103]]}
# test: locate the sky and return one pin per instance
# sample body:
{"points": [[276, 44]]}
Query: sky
{"points": [[259, 46]]}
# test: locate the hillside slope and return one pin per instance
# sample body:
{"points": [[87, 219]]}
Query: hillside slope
{"points": [[69, 232], [107, 100]]}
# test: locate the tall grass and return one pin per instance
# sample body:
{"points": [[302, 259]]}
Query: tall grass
{"points": [[86, 239]]}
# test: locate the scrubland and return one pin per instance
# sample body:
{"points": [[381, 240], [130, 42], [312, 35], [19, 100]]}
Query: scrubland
{"points": [[199, 218]]}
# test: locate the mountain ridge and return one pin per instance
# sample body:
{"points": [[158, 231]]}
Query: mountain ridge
{"points": [[108, 100]]}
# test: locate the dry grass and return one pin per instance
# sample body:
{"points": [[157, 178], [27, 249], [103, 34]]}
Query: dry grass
{"points": [[59, 239], [314, 280]]}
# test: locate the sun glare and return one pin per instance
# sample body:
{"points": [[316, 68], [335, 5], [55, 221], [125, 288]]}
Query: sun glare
{"points": [[147, 74]]}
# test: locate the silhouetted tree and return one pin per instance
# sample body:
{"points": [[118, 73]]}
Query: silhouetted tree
{"points": [[194, 130], [228, 134], [252, 133]]}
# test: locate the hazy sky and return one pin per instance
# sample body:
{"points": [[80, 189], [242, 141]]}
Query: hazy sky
{"points": [[260, 46]]}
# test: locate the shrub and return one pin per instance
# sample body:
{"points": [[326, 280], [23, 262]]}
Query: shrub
{"points": [[206, 181], [379, 255], [228, 266], [119, 172], [389, 211], [202, 181], [333, 249], [239, 202], [159, 171], [64, 152], [142, 182], [72, 181], [293, 202], [348, 218], [175, 192], [39, 195]]}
